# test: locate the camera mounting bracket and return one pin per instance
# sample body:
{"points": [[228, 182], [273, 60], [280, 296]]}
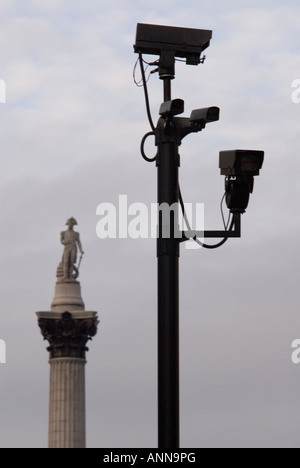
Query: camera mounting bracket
{"points": [[235, 232]]}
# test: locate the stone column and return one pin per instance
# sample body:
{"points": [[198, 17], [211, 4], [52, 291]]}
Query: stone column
{"points": [[67, 328], [67, 403], [67, 334]]}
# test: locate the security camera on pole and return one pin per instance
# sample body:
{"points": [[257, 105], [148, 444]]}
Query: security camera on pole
{"points": [[239, 167]]}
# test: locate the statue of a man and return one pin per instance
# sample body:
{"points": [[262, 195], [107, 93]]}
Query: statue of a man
{"points": [[70, 239]]}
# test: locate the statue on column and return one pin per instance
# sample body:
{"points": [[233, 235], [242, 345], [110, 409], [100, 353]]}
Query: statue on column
{"points": [[71, 241]]}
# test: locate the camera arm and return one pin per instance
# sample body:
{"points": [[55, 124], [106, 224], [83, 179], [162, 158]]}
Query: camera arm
{"points": [[234, 232]]}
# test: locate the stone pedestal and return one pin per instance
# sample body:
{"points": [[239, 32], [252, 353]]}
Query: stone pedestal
{"points": [[67, 296]]}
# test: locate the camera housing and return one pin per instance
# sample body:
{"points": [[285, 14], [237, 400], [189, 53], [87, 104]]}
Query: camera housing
{"points": [[171, 108], [240, 167], [238, 193], [205, 115], [241, 162], [180, 42]]}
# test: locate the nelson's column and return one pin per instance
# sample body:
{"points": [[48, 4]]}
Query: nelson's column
{"points": [[67, 327]]}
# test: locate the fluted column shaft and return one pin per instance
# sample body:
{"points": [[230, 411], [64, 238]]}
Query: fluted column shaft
{"points": [[67, 403]]}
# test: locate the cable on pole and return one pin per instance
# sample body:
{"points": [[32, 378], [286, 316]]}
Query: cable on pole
{"points": [[206, 246], [143, 148], [146, 92]]}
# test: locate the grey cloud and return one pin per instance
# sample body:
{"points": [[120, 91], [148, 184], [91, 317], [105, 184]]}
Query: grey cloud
{"points": [[70, 138]]}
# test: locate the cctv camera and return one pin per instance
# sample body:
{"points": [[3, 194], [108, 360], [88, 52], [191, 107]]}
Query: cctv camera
{"points": [[171, 108], [241, 162], [181, 42], [240, 167], [205, 115]]}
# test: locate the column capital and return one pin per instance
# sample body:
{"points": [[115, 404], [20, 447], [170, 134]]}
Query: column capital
{"points": [[68, 333]]}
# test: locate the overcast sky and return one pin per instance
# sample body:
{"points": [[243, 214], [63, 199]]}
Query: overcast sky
{"points": [[69, 137]]}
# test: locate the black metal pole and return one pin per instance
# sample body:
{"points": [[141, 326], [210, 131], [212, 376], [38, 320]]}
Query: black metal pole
{"points": [[167, 89], [168, 294]]}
